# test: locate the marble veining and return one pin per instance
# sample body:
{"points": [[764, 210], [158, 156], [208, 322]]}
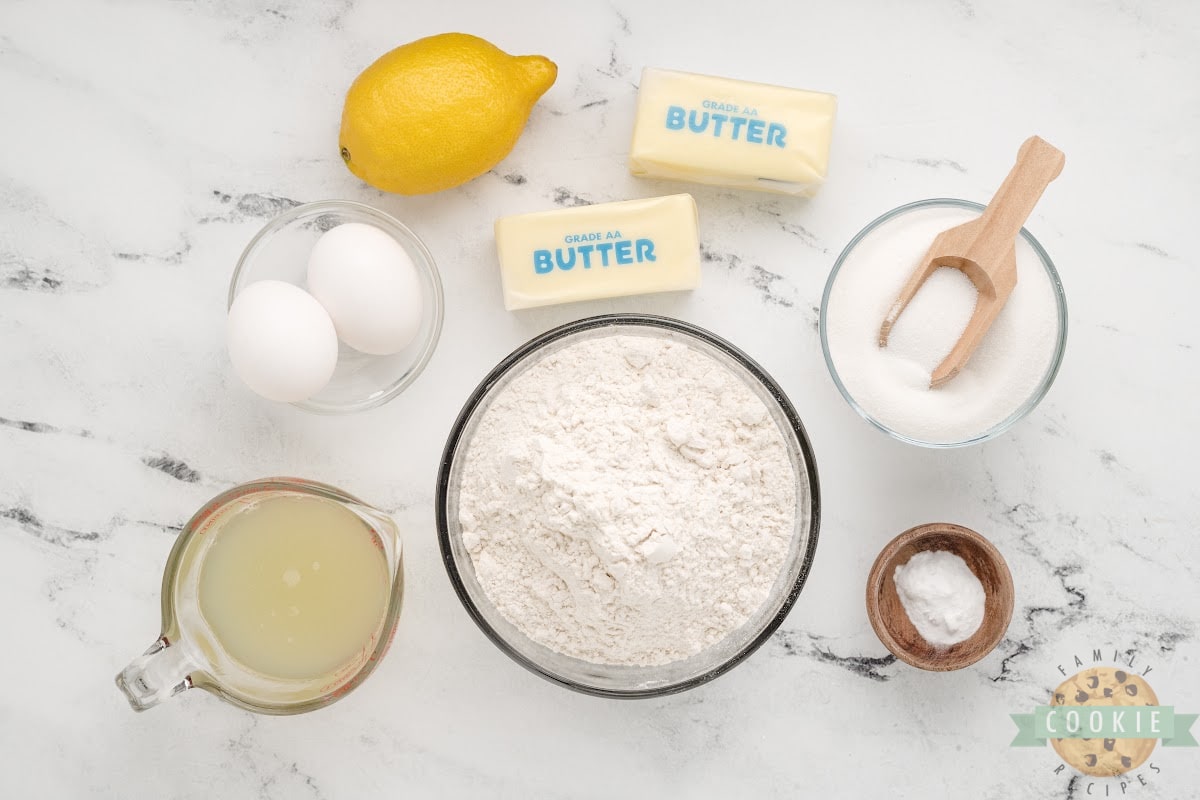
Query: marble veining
{"points": [[145, 143]]}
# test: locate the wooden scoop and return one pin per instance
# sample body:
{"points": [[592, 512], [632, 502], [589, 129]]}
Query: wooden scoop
{"points": [[985, 249]]}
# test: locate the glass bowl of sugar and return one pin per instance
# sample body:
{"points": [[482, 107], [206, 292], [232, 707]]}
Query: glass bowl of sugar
{"points": [[1008, 375], [628, 506]]}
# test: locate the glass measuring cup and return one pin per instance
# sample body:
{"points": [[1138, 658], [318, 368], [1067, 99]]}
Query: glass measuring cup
{"points": [[189, 654]]}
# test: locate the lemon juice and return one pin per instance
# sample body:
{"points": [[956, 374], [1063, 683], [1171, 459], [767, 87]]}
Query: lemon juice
{"points": [[294, 587]]}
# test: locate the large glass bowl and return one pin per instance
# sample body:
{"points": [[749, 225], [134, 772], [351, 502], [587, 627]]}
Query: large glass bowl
{"points": [[630, 681], [1039, 391], [280, 252]]}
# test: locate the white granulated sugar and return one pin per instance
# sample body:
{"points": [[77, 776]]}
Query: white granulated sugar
{"points": [[892, 383], [627, 500], [934, 320], [942, 597]]}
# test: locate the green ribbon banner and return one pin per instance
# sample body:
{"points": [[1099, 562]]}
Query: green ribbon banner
{"points": [[1104, 722]]}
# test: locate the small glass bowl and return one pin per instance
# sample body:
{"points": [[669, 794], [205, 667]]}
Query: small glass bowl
{"points": [[630, 681], [280, 252], [1051, 369]]}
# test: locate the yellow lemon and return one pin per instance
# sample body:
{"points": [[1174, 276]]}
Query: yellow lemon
{"points": [[438, 112]]}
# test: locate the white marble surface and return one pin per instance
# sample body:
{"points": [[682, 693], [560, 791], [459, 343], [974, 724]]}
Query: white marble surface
{"points": [[143, 143]]}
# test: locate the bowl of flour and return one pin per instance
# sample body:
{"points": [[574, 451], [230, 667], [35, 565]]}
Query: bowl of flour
{"points": [[1004, 380], [628, 506]]}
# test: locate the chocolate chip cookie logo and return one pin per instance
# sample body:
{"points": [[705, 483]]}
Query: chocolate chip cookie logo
{"points": [[1104, 722]]}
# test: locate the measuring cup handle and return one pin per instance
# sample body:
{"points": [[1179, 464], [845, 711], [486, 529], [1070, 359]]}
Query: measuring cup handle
{"points": [[158, 674]]}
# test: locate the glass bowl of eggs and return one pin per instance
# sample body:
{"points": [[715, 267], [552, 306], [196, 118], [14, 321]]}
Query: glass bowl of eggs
{"points": [[334, 307]]}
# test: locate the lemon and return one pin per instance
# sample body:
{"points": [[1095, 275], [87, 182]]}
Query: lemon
{"points": [[438, 112]]}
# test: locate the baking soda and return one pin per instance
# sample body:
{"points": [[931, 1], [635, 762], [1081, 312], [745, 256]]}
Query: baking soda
{"points": [[627, 500], [942, 597], [891, 384]]}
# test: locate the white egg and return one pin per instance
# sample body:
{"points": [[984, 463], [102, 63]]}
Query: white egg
{"points": [[370, 287], [281, 341]]}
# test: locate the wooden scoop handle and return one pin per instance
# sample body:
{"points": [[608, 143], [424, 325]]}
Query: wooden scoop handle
{"points": [[1038, 163]]}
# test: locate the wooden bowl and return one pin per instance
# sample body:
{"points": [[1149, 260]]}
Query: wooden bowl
{"points": [[890, 620]]}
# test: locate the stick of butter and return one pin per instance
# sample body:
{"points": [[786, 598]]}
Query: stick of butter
{"points": [[602, 250], [731, 133]]}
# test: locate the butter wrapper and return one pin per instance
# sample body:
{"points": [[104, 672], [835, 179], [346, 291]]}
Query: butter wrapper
{"points": [[602, 250], [731, 133]]}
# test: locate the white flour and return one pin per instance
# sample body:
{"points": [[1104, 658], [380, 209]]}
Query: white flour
{"points": [[627, 500], [892, 383]]}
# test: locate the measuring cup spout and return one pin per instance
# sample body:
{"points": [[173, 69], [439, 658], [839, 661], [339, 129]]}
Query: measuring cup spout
{"points": [[158, 674], [386, 529]]}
